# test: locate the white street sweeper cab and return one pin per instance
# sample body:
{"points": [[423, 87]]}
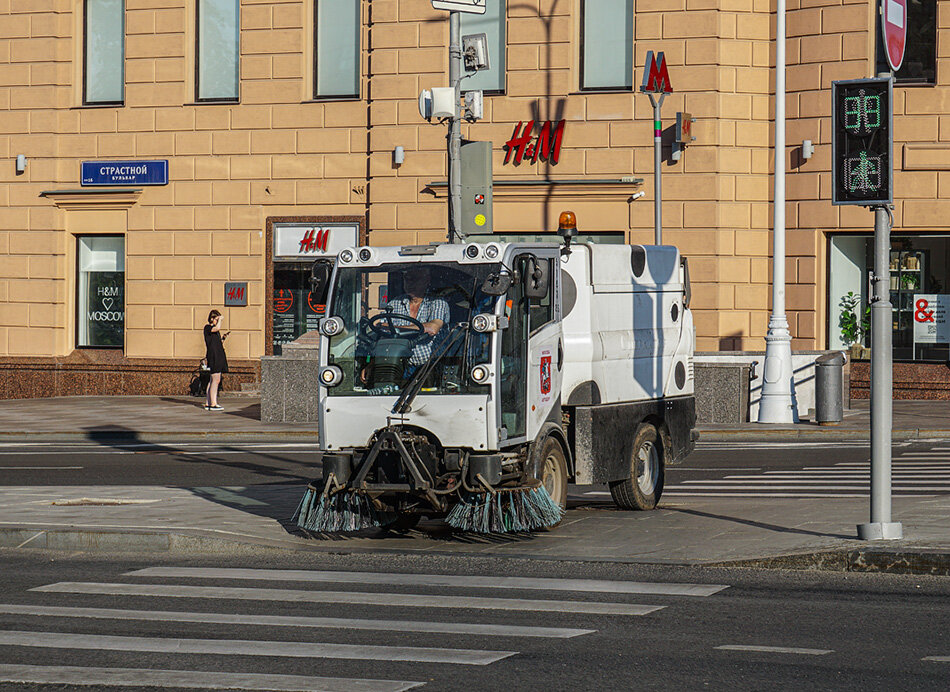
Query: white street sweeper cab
{"points": [[475, 381]]}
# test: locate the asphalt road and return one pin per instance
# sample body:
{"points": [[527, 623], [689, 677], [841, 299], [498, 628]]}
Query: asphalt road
{"points": [[561, 628], [714, 469]]}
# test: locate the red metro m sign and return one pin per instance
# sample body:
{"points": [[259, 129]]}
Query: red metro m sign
{"points": [[656, 78]]}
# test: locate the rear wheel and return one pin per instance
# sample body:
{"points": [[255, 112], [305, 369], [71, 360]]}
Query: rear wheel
{"points": [[550, 467], [643, 488]]}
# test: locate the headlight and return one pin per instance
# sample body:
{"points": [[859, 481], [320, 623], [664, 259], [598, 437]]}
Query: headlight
{"points": [[331, 376], [346, 256], [480, 374], [482, 323], [331, 326], [491, 252], [365, 254], [472, 251]]}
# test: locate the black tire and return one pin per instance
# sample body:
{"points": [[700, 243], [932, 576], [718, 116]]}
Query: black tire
{"points": [[548, 464], [642, 490]]}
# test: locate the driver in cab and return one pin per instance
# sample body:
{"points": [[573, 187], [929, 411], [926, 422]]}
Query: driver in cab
{"points": [[416, 302]]}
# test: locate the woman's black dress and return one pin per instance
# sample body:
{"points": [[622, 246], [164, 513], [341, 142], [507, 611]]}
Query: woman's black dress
{"points": [[214, 353]]}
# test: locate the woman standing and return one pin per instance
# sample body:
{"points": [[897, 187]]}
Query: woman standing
{"points": [[214, 355]]}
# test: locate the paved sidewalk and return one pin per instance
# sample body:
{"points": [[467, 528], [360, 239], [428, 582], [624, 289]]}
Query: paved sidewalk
{"points": [[694, 531], [144, 418]]}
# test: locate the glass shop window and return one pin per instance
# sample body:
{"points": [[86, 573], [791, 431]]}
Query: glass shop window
{"points": [[294, 311], [101, 292], [919, 286]]}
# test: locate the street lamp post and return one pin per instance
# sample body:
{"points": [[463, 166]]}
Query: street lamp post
{"points": [[775, 404]]}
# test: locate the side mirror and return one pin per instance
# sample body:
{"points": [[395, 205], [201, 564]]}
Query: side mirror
{"points": [[496, 284], [537, 277], [320, 281]]}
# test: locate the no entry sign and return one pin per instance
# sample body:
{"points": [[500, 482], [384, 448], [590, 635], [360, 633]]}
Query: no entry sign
{"points": [[894, 28]]}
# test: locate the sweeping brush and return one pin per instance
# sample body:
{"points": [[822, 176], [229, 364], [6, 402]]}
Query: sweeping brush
{"points": [[506, 510], [321, 511]]}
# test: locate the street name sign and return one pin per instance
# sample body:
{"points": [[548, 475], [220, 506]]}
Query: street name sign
{"points": [[123, 173], [894, 28], [470, 6]]}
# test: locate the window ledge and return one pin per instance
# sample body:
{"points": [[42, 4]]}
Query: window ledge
{"points": [[98, 199]]}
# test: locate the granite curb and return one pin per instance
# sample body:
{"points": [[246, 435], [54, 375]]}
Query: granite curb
{"points": [[900, 560], [160, 437]]}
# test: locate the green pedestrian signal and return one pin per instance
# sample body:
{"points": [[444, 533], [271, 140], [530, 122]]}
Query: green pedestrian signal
{"points": [[862, 142]]}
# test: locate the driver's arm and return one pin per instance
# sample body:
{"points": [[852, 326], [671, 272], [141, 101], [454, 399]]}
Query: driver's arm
{"points": [[440, 310]]}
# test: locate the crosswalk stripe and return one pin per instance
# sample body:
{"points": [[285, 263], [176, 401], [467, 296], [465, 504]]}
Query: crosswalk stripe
{"points": [[349, 597], [466, 628], [241, 647], [796, 487], [461, 581], [937, 659], [191, 679], [775, 649]]}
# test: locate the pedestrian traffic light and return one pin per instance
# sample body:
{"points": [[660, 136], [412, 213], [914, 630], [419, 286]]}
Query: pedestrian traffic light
{"points": [[862, 142]]}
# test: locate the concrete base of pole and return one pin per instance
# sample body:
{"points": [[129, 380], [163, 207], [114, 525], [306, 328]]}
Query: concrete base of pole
{"points": [[775, 405], [881, 531]]}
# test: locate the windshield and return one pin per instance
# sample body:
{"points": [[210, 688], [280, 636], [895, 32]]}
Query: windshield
{"points": [[399, 317]]}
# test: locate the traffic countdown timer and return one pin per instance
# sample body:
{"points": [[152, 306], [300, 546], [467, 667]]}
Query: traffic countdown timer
{"points": [[861, 142]]}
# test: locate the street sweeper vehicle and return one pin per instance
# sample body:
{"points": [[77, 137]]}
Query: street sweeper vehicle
{"points": [[474, 381]]}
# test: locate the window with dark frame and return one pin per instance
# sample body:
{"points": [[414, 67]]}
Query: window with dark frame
{"points": [[217, 50], [606, 55], [920, 48], [493, 25], [103, 81], [336, 49], [100, 291]]}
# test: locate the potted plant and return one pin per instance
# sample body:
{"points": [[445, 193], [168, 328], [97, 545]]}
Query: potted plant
{"points": [[852, 329], [910, 281]]}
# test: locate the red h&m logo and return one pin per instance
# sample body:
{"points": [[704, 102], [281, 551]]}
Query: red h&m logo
{"points": [[315, 239], [547, 145], [656, 78]]}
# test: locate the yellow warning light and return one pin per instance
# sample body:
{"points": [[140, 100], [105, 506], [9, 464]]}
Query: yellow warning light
{"points": [[566, 220]]}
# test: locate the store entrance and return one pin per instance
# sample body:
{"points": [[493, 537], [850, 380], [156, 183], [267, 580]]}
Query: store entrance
{"points": [[295, 312]]}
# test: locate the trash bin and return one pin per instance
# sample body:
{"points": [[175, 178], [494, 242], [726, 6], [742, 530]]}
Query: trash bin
{"points": [[829, 377]]}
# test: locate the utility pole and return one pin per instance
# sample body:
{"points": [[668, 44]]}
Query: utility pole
{"points": [[455, 128]]}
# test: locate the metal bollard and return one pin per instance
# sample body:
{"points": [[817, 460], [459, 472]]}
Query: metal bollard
{"points": [[829, 376]]}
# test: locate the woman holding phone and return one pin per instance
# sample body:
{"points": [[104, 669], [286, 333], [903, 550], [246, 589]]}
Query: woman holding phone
{"points": [[215, 357]]}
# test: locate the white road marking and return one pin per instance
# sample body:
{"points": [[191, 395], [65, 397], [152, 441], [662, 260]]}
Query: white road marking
{"points": [[742, 486], [465, 628], [673, 493], [758, 480], [776, 649], [460, 581], [937, 659], [244, 647], [350, 597], [191, 679], [40, 468]]}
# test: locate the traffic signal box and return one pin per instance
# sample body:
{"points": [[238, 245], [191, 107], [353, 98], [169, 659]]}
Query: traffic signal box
{"points": [[862, 142]]}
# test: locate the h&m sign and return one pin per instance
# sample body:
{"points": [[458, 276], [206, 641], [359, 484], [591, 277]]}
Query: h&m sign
{"points": [[524, 145], [314, 240]]}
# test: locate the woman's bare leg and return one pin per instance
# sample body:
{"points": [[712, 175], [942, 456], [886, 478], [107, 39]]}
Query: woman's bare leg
{"points": [[213, 389]]}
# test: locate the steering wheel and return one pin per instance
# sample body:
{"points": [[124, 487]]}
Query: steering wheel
{"points": [[389, 329]]}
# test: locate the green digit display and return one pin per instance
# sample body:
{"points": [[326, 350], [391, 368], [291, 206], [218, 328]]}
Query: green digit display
{"points": [[862, 113]]}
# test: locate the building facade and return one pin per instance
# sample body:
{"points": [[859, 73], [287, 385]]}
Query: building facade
{"points": [[275, 125]]}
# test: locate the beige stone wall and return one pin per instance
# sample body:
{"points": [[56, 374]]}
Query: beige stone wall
{"points": [[279, 153]]}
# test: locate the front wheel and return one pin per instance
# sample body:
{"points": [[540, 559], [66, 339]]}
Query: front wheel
{"points": [[643, 488], [549, 465]]}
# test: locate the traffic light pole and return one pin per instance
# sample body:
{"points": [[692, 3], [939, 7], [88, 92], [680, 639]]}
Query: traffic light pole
{"points": [[881, 526]]}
